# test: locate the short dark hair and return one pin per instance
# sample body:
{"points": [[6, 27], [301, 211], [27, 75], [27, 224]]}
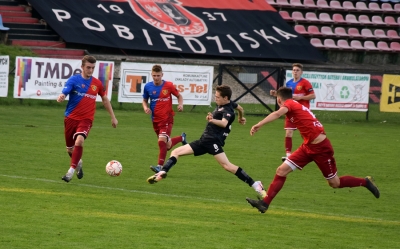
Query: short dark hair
{"points": [[88, 58], [297, 65], [224, 91], [156, 68], [284, 93]]}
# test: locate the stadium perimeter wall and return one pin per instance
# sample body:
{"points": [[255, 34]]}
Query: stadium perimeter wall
{"points": [[243, 66]]}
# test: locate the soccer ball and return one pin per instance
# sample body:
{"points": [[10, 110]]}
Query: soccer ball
{"points": [[114, 168]]}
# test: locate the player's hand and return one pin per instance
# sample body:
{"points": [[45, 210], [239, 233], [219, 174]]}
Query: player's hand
{"points": [[147, 111], [296, 97], [180, 108], [242, 121], [209, 116], [61, 98], [272, 93], [114, 122], [254, 129]]}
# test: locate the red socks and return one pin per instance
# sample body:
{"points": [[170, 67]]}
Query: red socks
{"points": [[175, 140], [351, 181], [163, 152], [274, 188], [288, 145], [76, 156]]}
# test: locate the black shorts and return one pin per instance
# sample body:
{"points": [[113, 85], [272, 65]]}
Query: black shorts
{"points": [[200, 148]]}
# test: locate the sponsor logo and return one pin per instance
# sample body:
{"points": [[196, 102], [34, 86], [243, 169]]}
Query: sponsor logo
{"points": [[160, 99], [86, 95], [169, 16]]}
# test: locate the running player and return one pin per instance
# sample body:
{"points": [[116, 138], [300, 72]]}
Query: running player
{"points": [[315, 147]]}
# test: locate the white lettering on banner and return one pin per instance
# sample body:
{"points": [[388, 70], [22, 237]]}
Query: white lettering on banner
{"points": [[266, 37], [235, 42], [189, 43], [125, 32], [148, 38], [220, 48], [66, 15], [121, 30], [99, 27], [245, 36], [283, 33], [168, 42]]}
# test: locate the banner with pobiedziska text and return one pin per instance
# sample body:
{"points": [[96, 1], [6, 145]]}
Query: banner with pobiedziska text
{"points": [[232, 29]]}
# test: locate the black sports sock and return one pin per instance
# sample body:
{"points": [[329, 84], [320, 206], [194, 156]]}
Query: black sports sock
{"points": [[244, 177], [168, 165]]}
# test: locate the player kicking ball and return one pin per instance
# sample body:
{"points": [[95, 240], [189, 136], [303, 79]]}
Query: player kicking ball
{"points": [[213, 139]]}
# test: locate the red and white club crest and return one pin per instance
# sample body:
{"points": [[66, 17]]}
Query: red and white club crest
{"points": [[169, 16]]}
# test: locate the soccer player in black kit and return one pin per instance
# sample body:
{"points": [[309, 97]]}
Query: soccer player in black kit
{"points": [[213, 139]]}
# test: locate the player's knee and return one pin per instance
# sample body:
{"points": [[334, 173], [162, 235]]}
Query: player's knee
{"points": [[334, 183], [283, 170], [70, 150]]}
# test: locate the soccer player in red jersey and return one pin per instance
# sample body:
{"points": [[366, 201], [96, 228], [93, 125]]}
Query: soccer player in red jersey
{"points": [[302, 93], [82, 89], [315, 147], [160, 94]]}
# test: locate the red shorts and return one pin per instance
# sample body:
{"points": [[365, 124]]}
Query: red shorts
{"points": [[321, 154], [73, 127], [289, 125], [164, 127]]}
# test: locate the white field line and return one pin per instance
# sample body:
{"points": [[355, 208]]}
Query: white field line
{"points": [[310, 213]]}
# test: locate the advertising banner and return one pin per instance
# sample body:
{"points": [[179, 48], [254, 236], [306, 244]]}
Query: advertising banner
{"points": [[390, 98], [194, 83], [44, 78], [4, 69], [338, 91]]}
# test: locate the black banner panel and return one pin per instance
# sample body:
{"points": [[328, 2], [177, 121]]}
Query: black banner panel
{"points": [[237, 28]]}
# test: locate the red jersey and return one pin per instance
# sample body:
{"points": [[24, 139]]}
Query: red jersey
{"points": [[304, 119], [82, 96], [301, 88], [160, 100]]}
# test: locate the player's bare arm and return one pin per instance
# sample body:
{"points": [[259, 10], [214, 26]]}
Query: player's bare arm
{"points": [[272, 93], [180, 103], [271, 117], [241, 119], [61, 97], [146, 108], [304, 97], [107, 105]]}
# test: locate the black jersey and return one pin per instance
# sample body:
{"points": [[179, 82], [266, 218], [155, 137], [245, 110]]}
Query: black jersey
{"points": [[214, 133]]}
